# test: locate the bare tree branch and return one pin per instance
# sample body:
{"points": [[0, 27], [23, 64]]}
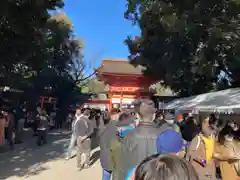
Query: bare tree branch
{"points": [[89, 76], [77, 67]]}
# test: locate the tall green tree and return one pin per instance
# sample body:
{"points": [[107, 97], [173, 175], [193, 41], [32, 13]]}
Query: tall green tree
{"points": [[65, 59], [39, 51], [92, 85], [36, 48], [59, 47], [22, 36], [193, 46]]}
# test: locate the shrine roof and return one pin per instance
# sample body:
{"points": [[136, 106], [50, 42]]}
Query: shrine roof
{"points": [[119, 66]]}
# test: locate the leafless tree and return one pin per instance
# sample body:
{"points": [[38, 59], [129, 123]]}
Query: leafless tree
{"points": [[78, 67]]}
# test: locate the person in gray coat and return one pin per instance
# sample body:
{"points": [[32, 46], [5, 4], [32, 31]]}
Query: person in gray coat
{"points": [[83, 132]]}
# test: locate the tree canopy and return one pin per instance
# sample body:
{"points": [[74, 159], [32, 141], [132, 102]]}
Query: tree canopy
{"points": [[37, 46], [22, 28], [193, 46], [92, 85]]}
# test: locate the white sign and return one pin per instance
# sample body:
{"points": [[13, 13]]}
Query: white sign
{"points": [[116, 100], [127, 101]]}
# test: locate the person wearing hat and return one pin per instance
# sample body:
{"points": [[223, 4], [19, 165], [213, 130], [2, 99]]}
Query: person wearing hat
{"points": [[167, 142], [171, 141]]}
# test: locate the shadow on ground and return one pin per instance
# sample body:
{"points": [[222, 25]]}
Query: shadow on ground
{"points": [[28, 159], [95, 141], [95, 156]]}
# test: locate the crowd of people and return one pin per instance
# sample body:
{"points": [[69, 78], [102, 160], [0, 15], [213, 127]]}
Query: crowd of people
{"points": [[142, 144], [38, 121]]}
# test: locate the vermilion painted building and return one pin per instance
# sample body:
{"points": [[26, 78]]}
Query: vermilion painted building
{"points": [[124, 82]]}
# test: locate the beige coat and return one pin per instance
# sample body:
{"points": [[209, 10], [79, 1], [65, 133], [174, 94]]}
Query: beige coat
{"points": [[197, 151], [228, 169]]}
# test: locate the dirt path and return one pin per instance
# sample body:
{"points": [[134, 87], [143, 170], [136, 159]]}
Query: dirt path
{"points": [[30, 162]]}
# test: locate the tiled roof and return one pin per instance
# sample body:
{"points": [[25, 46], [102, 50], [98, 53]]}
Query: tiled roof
{"points": [[117, 66]]}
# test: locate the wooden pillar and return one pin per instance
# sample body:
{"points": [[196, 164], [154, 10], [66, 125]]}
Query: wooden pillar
{"points": [[53, 101], [138, 93], [41, 101], [110, 100], [121, 97]]}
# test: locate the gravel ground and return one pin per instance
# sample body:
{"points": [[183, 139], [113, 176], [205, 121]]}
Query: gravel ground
{"points": [[30, 162]]}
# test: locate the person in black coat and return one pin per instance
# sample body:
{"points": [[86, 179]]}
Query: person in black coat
{"points": [[107, 132], [140, 142], [189, 129], [42, 128]]}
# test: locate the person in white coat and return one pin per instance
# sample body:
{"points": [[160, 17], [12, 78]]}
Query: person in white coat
{"points": [[73, 136]]}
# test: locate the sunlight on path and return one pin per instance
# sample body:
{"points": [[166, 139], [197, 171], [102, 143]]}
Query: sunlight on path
{"points": [[61, 170]]}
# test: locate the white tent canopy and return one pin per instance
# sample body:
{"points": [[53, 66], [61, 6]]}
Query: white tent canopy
{"points": [[221, 101]]}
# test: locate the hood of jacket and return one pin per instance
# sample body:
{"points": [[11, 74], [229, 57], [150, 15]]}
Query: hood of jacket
{"points": [[124, 130]]}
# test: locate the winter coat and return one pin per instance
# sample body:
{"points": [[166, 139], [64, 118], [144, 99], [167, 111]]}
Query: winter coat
{"points": [[114, 150], [137, 145], [107, 133]]}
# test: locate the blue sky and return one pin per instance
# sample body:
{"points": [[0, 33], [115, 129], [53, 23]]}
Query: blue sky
{"points": [[101, 25]]}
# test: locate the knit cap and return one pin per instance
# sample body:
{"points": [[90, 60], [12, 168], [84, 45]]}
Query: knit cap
{"points": [[169, 141]]}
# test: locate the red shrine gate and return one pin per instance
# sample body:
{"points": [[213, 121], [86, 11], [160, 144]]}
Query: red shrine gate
{"points": [[48, 100], [124, 82]]}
